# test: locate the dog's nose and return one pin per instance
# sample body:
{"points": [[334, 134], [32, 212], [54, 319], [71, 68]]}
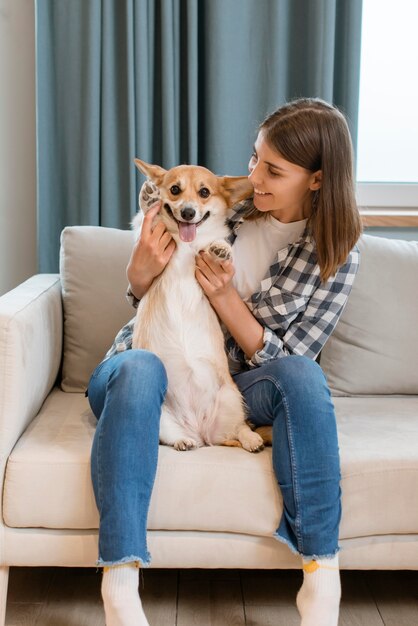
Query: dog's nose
{"points": [[187, 213]]}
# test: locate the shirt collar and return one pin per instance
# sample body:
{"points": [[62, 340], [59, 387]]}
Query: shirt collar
{"points": [[237, 218]]}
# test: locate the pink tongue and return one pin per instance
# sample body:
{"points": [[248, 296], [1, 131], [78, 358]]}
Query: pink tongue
{"points": [[187, 232]]}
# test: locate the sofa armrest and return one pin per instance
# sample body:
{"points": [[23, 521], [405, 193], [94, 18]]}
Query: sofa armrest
{"points": [[31, 328]]}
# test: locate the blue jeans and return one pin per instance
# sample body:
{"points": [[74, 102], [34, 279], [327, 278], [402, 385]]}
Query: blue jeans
{"points": [[291, 394], [125, 394]]}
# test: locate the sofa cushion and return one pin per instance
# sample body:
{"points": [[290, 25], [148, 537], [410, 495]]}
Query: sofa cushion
{"points": [[372, 350], [220, 489], [374, 347], [93, 264]]}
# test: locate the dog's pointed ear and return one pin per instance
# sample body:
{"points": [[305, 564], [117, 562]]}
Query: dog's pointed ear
{"points": [[154, 172], [236, 188]]}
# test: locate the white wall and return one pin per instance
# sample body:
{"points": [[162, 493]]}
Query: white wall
{"points": [[18, 258]]}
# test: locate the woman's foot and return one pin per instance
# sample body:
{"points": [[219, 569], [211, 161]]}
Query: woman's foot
{"points": [[318, 599], [120, 595]]}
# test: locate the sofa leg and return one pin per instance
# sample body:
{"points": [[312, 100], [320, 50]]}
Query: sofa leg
{"points": [[4, 579]]}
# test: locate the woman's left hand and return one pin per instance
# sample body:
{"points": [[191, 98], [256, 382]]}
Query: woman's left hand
{"points": [[215, 278]]}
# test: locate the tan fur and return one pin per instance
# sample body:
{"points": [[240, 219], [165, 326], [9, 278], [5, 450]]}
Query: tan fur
{"points": [[175, 321], [266, 433]]}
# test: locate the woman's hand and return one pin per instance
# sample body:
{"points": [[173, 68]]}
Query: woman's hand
{"points": [[215, 278], [150, 255]]}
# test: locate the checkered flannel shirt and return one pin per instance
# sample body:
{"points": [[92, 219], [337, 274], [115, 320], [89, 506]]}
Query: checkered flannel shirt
{"points": [[297, 310]]}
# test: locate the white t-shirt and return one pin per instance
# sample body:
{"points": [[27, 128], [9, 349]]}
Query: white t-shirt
{"points": [[256, 248]]}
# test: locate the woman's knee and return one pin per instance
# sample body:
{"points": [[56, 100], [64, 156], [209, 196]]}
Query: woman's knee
{"points": [[137, 374], [140, 369], [296, 371]]}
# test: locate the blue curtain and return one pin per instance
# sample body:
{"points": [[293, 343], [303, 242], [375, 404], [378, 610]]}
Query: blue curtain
{"points": [[171, 81]]}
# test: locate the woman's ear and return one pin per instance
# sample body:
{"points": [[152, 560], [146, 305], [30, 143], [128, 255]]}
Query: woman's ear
{"points": [[316, 181]]}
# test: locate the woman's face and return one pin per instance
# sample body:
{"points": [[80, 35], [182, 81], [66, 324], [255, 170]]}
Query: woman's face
{"points": [[281, 188]]}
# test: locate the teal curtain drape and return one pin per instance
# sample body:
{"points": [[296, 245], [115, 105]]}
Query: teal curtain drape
{"points": [[171, 81]]}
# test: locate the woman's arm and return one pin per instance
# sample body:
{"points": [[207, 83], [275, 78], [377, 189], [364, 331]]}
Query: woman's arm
{"points": [[150, 254], [305, 335], [241, 323], [216, 281]]}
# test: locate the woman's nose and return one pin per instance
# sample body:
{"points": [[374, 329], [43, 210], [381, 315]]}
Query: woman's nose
{"points": [[253, 176]]}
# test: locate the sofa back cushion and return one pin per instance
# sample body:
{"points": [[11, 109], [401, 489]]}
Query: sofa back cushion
{"points": [[373, 350], [374, 347], [93, 264]]}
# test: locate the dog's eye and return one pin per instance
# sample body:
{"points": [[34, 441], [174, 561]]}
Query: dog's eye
{"points": [[204, 192], [175, 190]]}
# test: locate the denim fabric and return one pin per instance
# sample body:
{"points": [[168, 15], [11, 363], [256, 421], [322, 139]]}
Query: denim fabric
{"points": [[291, 394], [125, 394]]}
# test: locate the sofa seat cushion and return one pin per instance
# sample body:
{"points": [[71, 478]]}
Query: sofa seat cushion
{"points": [[220, 489]]}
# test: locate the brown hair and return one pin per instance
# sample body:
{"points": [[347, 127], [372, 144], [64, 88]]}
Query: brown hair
{"points": [[314, 135]]}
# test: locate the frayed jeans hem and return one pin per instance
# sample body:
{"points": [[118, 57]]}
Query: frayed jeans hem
{"points": [[126, 559], [305, 556]]}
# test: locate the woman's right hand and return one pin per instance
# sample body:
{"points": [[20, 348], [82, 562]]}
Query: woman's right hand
{"points": [[150, 255]]}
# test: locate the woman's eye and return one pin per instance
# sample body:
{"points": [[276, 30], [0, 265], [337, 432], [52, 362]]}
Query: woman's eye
{"points": [[273, 173], [204, 192], [175, 190]]}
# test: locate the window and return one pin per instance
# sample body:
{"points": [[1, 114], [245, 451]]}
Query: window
{"points": [[387, 155]]}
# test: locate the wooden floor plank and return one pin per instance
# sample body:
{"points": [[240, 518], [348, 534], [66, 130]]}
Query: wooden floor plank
{"points": [[158, 591], [357, 604], [73, 599], [22, 613], [270, 597], [396, 595], [271, 587], [271, 616], [29, 584], [205, 600]]}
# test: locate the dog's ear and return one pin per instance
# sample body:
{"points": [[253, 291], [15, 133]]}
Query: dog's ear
{"points": [[154, 172], [236, 188]]}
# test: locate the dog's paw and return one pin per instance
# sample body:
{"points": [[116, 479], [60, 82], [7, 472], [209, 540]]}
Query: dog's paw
{"points": [[185, 444], [251, 441], [149, 194], [220, 251]]}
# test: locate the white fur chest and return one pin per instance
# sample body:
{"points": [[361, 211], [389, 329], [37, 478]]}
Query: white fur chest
{"points": [[174, 318]]}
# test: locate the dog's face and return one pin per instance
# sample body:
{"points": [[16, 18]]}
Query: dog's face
{"points": [[194, 200]]}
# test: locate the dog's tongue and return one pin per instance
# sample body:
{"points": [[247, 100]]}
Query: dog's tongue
{"points": [[187, 232]]}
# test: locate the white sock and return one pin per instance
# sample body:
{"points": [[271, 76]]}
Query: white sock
{"points": [[318, 599], [120, 595]]}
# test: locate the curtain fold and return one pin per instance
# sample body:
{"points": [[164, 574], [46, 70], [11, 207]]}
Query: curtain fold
{"points": [[171, 81]]}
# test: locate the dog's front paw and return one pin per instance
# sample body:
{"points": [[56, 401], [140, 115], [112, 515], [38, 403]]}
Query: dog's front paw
{"points": [[149, 194], [220, 251], [185, 444], [251, 441]]}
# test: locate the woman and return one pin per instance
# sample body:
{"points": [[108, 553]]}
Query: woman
{"points": [[295, 260]]}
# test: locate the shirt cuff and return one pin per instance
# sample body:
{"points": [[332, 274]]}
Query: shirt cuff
{"points": [[133, 300], [272, 349]]}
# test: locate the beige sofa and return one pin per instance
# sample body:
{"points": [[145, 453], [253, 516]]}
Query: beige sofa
{"points": [[213, 507]]}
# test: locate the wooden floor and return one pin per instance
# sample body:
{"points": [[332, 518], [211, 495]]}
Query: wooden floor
{"points": [[71, 597]]}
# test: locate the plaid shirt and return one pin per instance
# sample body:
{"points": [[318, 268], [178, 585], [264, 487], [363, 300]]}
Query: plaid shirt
{"points": [[297, 310]]}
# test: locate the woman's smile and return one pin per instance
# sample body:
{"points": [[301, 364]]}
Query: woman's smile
{"points": [[261, 193]]}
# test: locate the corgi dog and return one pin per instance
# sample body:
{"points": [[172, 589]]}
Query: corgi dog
{"points": [[175, 320]]}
